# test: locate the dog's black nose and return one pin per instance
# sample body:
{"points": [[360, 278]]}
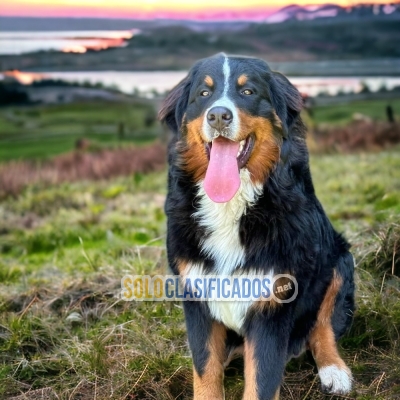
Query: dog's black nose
{"points": [[219, 118]]}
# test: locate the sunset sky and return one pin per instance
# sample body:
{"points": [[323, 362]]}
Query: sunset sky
{"points": [[204, 9]]}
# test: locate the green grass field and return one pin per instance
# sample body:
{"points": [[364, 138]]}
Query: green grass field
{"points": [[64, 249], [43, 131], [341, 114], [46, 130]]}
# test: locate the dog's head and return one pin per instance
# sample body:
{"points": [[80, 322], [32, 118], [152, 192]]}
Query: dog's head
{"points": [[230, 113]]}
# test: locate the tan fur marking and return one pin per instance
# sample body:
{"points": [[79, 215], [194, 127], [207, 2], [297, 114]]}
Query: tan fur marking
{"points": [[324, 349], [209, 81], [261, 306], [242, 80], [195, 160], [277, 393], [322, 339], [210, 385], [280, 293], [181, 266], [326, 310], [250, 372], [266, 151], [265, 154], [235, 353]]}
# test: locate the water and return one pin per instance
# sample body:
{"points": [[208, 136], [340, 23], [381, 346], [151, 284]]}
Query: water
{"points": [[14, 43], [147, 83], [127, 82], [313, 86]]}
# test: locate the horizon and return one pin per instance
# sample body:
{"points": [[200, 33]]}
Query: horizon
{"points": [[227, 10]]}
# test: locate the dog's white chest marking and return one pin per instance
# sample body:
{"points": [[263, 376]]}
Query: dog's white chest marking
{"points": [[222, 243], [232, 313], [221, 220]]}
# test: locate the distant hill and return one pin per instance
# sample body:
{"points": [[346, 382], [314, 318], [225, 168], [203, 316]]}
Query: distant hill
{"points": [[334, 11], [290, 13], [175, 48], [294, 34], [28, 24]]}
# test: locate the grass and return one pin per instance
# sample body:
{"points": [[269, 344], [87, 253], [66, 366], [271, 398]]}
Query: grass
{"points": [[42, 131], [79, 165], [341, 114], [65, 333]]}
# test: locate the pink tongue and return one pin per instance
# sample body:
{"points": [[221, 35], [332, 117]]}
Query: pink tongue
{"points": [[222, 179]]}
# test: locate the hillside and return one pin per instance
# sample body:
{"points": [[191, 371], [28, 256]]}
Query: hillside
{"points": [[178, 47]]}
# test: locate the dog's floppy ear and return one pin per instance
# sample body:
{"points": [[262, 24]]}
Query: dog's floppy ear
{"points": [[174, 105], [286, 100]]}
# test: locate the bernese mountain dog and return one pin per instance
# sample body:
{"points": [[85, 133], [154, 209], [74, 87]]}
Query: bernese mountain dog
{"points": [[241, 201]]}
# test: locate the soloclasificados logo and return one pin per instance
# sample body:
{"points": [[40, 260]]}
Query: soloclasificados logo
{"points": [[282, 288]]}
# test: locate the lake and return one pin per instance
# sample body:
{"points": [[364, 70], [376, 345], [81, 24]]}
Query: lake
{"points": [[161, 81], [13, 43], [147, 83]]}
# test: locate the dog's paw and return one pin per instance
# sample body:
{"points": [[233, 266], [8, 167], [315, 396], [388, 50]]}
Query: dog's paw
{"points": [[335, 380]]}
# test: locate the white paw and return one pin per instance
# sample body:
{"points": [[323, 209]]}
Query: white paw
{"points": [[335, 379]]}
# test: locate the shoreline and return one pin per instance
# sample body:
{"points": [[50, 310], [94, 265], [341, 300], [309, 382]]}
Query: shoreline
{"points": [[380, 67]]}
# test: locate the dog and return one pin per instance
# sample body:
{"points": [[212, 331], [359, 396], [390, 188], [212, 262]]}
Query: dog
{"points": [[241, 202]]}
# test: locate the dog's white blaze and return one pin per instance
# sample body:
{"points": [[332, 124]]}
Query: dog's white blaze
{"points": [[231, 313], [335, 379], [227, 73], [221, 220], [223, 101]]}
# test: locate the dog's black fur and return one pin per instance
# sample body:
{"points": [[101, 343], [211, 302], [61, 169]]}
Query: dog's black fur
{"points": [[285, 229]]}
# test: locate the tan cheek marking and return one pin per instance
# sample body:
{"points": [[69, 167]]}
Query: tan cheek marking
{"points": [[266, 151], [209, 81], [242, 80], [250, 372], [277, 122], [322, 339], [194, 158], [210, 385]]}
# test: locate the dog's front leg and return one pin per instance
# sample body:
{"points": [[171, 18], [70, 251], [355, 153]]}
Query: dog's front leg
{"points": [[265, 354], [207, 344]]}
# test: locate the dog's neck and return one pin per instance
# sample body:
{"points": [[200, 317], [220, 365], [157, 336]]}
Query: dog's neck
{"points": [[221, 221]]}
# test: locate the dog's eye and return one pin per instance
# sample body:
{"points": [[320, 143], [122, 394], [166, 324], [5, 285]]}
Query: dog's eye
{"points": [[247, 92], [204, 93]]}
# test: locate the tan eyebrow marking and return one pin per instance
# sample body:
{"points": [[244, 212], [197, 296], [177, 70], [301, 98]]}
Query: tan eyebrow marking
{"points": [[208, 80], [242, 79]]}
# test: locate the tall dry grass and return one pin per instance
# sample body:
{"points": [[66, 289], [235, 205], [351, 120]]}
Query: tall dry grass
{"points": [[364, 135], [81, 165]]}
